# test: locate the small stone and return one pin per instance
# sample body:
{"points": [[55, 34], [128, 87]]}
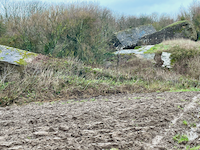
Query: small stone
{"points": [[27, 141], [55, 133], [105, 145], [16, 148], [198, 131], [51, 129], [41, 133], [63, 128], [7, 144], [138, 128], [57, 139], [7, 108], [2, 138], [160, 148]]}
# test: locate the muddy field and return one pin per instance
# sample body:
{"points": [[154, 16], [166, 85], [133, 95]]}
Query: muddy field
{"points": [[154, 121]]}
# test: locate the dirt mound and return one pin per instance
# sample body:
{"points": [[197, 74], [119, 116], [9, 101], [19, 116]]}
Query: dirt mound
{"points": [[134, 121]]}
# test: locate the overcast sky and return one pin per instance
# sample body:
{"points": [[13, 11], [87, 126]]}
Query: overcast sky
{"points": [[137, 7]]}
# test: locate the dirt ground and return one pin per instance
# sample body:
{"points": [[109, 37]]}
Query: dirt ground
{"points": [[129, 122]]}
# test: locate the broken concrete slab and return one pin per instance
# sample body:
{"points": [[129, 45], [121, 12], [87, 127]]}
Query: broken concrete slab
{"points": [[16, 59], [15, 56], [127, 39], [177, 30], [150, 56]]}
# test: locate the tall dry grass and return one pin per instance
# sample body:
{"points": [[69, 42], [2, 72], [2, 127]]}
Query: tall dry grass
{"points": [[193, 67], [184, 56], [53, 79], [69, 78], [182, 43]]}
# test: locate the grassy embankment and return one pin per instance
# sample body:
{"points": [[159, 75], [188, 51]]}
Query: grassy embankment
{"points": [[69, 78], [79, 36]]}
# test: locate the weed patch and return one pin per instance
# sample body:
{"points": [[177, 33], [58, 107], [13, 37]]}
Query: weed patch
{"points": [[70, 78], [181, 138]]}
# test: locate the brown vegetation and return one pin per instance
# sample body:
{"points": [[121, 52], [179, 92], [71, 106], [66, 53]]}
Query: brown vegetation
{"points": [[80, 30], [53, 79], [79, 35]]}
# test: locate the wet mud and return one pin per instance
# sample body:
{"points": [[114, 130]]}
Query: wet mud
{"points": [[150, 121]]}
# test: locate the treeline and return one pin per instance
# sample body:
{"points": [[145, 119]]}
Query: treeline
{"points": [[82, 30]]}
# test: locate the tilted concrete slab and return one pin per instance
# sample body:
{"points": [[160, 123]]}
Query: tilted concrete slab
{"points": [[178, 30], [127, 39], [15, 56]]}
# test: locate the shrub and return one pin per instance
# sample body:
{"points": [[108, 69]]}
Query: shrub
{"points": [[179, 54], [80, 30], [193, 65]]}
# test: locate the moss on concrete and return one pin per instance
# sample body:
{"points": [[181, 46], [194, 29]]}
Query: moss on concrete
{"points": [[175, 23], [21, 62], [138, 47], [19, 57], [158, 48]]}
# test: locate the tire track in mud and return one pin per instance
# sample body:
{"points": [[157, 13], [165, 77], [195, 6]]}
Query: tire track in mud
{"points": [[157, 140]]}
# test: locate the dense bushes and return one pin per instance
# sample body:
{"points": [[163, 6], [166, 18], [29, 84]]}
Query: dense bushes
{"points": [[185, 56], [71, 30], [80, 30], [192, 14]]}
